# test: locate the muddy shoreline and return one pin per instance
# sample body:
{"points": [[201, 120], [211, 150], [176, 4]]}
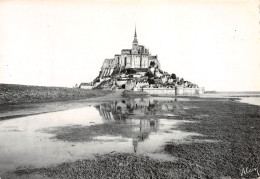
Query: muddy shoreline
{"points": [[229, 142], [9, 111], [11, 94]]}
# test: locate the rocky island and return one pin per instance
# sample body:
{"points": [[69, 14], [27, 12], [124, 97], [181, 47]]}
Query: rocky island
{"points": [[136, 69]]}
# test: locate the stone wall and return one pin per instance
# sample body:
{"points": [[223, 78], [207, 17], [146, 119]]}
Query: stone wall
{"points": [[179, 90], [189, 91], [160, 91], [141, 84]]}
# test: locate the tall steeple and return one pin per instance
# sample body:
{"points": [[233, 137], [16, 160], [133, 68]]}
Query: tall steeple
{"points": [[135, 37], [135, 44]]}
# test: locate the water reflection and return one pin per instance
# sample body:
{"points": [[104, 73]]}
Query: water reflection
{"points": [[120, 110], [131, 110], [146, 127], [133, 125]]}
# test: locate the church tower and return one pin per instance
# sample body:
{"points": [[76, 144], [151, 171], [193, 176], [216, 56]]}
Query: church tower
{"points": [[135, 44]]}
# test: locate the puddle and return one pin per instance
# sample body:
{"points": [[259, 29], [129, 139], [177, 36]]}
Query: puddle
{"points": [[121, 126]]}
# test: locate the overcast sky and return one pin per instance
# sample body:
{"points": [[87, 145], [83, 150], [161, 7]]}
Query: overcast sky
{"points": [[215, 44]]}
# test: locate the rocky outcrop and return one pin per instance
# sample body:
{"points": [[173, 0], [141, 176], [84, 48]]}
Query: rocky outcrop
{"points": [[135, 69]]}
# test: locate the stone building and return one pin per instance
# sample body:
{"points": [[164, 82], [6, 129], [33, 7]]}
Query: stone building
{"points": [[138, 57]]}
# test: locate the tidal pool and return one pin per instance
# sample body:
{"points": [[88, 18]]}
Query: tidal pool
{"points": [[140, 126]]}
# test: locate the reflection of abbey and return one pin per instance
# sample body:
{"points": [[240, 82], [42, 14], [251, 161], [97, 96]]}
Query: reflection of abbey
{"points": [[121, 110], [131, 112], [137, 57]]}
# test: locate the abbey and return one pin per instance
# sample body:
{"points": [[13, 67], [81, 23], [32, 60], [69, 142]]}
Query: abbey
{"points": [[136, 69], [137, 57]]}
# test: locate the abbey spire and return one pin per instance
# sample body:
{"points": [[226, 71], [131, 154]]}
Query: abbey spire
{"points": [[135, 37], [135, 44]]}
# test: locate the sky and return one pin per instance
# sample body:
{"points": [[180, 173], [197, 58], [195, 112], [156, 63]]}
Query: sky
{"points": [[215, 44]]}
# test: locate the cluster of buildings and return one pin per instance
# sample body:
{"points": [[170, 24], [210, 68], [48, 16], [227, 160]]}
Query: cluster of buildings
{"points": [[138, 57], [136, 69]]}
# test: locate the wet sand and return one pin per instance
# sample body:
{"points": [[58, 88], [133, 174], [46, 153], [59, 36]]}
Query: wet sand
{"points": [[20, 94], [25, 109], [237, 128], [224, 140]]}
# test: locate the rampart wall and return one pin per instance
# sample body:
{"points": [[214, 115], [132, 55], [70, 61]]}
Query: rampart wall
{"points": [[179, 90]]}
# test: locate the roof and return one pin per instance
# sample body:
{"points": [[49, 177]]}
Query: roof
{"points": [[86, 84], [127, 51], [109, 59]]}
